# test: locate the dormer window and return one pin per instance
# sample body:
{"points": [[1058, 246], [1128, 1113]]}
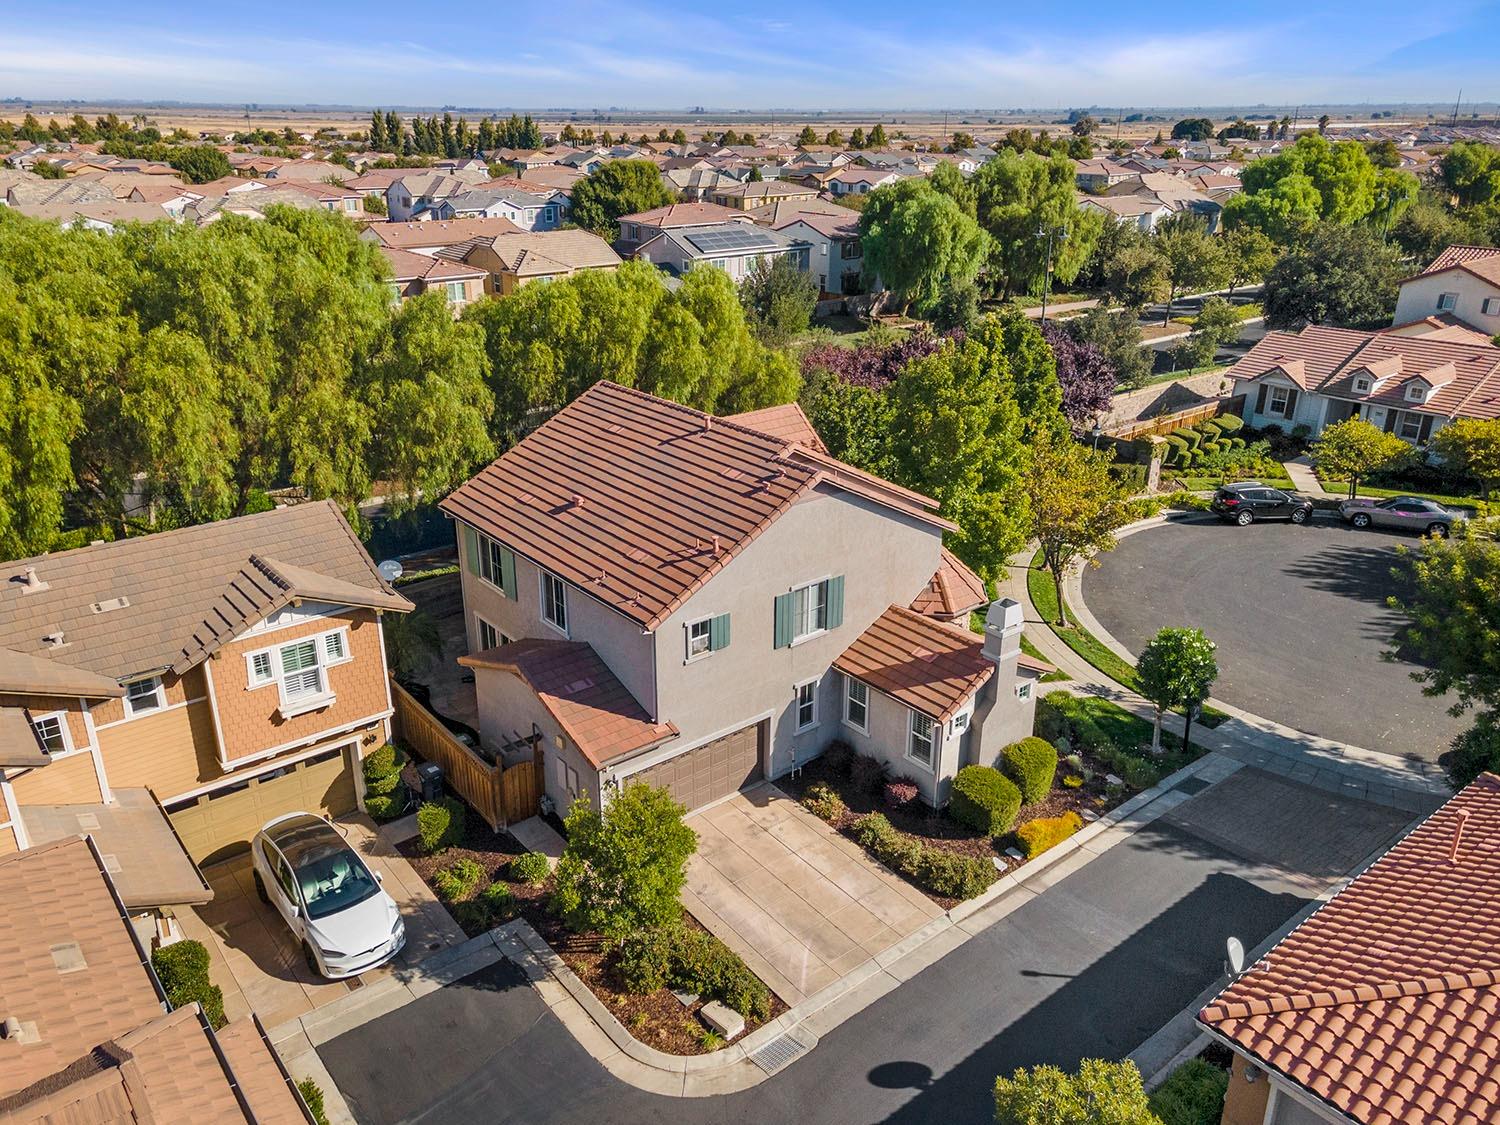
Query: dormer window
{"points": [[1416, 392], [1362, 385]]}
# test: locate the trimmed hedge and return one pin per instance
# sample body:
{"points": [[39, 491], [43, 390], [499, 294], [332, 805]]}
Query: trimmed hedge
{"points": [[440, 824], [531, 869], [1193, 1094], [1031, 764], [382, 808], [1036, 836], [182, 968], [458, 880], [985, 800], [1229, 423], [383, 785], [692, 961], [941, 872], [384, 762]]}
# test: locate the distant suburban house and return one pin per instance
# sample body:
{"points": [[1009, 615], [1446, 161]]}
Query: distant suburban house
{"points": [[733, 247], [517, 259], [430, 237], [529, 210], [859, 181], [1143, 212], [1379, 1008], [835, 255], [1096, 175], [702, 603], [414, 274], [1410, 386], [641, 227], [1461, 284], [744, 197], [420, 194], [1177, 193]]}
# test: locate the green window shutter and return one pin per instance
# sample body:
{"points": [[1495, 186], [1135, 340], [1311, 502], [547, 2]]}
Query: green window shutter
{"points": [[783, 620], [718, 633], [508, 572], [471, 547], [836, 601]]}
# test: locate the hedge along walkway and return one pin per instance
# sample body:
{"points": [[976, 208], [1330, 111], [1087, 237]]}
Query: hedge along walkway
{"points": [[1383, 779]]}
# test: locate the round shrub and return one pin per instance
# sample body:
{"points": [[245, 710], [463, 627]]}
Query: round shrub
{"points": [[984, 800], [867, 774], [531, 869], [900, 793], [1036, 836], [823, 803], [382, 785], [458, 880], [1191, 436], [383, 808], [1031, 764], [839, 756], [1193, 1094], [1229, 423], [498, 897], [1051, 722], [440, 824], [1176, 448]]}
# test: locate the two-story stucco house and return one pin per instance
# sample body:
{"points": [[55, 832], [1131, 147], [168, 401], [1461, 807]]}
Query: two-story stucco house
{"points": [[1460, 286], [702, 603], [170, 693]]}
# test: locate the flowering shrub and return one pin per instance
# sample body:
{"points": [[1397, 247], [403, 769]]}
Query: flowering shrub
{"points": [[900, 793], [872, 365]]}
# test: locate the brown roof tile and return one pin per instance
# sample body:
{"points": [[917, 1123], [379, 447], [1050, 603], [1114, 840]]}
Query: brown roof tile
{"points": [[1385, 1003], [444, 232], [931, 667], [638, 501], [953, 590], [786, 422], [407, 266], [576, 686], [1482, 261], [263, 1081], [684, 215]]}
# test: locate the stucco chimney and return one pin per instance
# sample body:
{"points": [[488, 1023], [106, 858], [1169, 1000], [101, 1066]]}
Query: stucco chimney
{"points": [[1002, 630]]}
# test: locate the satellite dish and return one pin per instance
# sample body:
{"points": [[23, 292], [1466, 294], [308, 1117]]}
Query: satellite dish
{"points": [[390, 570], [1236, 963]]}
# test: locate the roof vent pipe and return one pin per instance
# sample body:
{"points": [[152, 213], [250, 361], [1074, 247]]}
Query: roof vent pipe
{"points": [[1458, 835], [32, 582]]}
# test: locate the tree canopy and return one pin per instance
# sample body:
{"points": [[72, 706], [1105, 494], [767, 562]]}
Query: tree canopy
{"points": [[1101, 1093], [1472, 445], [1353, 448], [1176, 667], [1021, 198], [1073, 504], [620, 187], [917, 241], [1343, 276]]}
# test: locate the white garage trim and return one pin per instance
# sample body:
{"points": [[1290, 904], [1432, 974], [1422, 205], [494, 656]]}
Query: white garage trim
{"points": [[266, 767]]}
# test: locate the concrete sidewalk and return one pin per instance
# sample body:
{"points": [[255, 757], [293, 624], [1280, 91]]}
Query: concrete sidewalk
{"points": [[1305, 481]]}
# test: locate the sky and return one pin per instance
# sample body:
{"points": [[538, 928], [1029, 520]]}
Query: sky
{"points": [[663, 54]]}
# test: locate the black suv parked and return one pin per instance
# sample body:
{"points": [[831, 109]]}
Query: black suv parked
{"points": [[1247, 501]]}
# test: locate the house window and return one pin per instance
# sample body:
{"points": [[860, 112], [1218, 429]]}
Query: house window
{"points": [[1276, 402], [857, 704], [554, 602], [1416, 392], [1361, 385], [52, 732], [261, 670], [960, 723], [489, 636], [1491, 306], [335, 648], [549, 214], [301, 672], [850, 248], [455, 291], [698, 639], [492, 564], [809, 610], [1023, 690], [919, 739], [143, 696], [807, 705], [1410, 426], [1447, 302]]}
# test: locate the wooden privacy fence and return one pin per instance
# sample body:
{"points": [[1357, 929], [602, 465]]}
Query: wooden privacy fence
{"points": [[501, 795], [1178, 420]]}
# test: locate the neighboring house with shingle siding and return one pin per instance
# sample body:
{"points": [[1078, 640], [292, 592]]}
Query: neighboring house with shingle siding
{"points": [[224, 673], [693, 601]]}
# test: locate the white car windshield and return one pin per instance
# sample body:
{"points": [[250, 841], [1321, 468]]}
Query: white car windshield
{"points": [[333, 881]]}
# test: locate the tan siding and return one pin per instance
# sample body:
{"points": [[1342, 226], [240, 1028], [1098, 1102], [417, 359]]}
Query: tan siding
{"points": [[1245, 1102], [70, 781], [178, 689], [78, 729], [249, 719], [170, 753], [8, 841]]}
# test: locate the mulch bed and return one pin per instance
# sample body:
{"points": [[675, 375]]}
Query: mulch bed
{"points": [[937, 829], [658, 1019]]}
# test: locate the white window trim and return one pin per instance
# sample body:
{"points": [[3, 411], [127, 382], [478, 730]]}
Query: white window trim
{"points": [[1286, 397], [161, 699], [798, 726], [689, 656], [849, 682], [564, 629], [273, 651], [1447, 302], [480, 625], [960, 722], [1023, 689], [485, 542], [931, 764], [796, 639], [252, 680], [67, 735]]}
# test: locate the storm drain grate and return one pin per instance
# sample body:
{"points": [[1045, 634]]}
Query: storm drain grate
{"points": [[1192, 785], [777, 1053]]}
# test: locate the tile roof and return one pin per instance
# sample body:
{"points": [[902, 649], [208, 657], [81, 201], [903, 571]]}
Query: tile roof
{"points": [[263, 1081], [26, 674], [597, 711], [186, 591], [1482, 261], [407, 266], [931, 667], [1324, 360], [684, 215], [545, 252], [826, 223], [1385, 1003], [439, 232], [638, 501], [953, 590], [749, 238], [20, 745], [786, 422]]}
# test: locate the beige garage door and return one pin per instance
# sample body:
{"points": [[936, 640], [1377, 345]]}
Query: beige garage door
{"points": [[219, 824], [715, 769]]}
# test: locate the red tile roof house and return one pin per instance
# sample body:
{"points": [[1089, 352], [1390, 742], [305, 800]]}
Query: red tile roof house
{"points": [[1462, 283], [704, 602], [1407, 385], [1383, 1007]]}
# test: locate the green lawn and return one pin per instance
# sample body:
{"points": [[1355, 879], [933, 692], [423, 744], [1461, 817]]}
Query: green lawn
{"points": [[1043, 596], [1036, 654], [1181, 373], [1209, 483], [1342, 488]]}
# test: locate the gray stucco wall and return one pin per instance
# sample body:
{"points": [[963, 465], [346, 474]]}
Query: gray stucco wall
{"points": [[886, 559], [508, 706], [886, 740]]}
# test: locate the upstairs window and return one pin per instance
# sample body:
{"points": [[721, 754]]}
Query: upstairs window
{"points": [[52, 732], [1447, 302], [554, 602], [144, 696], [809, 610]]}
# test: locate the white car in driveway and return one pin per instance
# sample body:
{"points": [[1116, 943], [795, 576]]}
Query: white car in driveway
{"points": [[331, 901]]}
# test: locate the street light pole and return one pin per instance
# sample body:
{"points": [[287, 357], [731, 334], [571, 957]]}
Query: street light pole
{"points": [[1047, 279]]}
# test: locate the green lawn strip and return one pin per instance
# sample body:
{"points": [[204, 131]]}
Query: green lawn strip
{"points": [[1173, 376], [1044, 597], [1342, 488], [1036, 654], [1209, 483]]}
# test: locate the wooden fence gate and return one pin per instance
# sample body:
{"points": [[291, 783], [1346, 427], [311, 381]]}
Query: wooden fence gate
{"points": [[521, 788]]}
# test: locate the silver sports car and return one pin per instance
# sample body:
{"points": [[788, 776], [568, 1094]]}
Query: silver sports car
{"points": [[1410, 513]]}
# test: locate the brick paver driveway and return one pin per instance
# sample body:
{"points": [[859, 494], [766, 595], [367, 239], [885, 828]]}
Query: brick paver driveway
{"points": [[800, 903]]}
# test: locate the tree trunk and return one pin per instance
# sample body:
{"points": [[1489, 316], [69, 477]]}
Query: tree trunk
{"points": [[1353, 485], [1062, 616], [1171, 297], [1156, 734], [1187, 726]]}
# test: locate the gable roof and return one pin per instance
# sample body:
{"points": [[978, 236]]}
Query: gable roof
{"points": [[638, 501], [596, 710], [1385, 1004], [186, 592], [1481, 261], [1325, 360], [952, 590], [439, 232], [407, 266], [786, 422], [684, 215], [544, 252], [931, 667]]}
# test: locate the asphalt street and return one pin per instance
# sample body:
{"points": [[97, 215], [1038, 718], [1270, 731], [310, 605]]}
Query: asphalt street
{"points": [[1300, 618], [1093, 967]]}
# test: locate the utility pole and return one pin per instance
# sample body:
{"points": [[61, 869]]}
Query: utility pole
{"points": [[1455, 108], [1047, 279]]}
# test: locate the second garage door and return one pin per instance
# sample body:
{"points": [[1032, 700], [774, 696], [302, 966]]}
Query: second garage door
{"points": [[219, 824], [711, 771]]}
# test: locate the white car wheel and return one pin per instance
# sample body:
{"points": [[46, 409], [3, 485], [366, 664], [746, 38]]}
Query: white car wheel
{"points": [[1360, 519]]}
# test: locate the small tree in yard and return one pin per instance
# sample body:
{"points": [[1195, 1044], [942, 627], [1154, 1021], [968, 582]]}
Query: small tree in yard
{"points": [[623, 869], [779, 299], [1215, 325], [1075, 504], [1176, 667], [1355, 448], [1473, 446], [1101, 1093]]}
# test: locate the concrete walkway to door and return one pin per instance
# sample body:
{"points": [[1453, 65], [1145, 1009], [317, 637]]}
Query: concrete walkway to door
{"points": [[800, 903]]}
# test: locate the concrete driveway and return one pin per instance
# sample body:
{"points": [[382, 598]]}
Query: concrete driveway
{"points": [[1090, 968], [1300, 618], [261, 968], [800, 903]]}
